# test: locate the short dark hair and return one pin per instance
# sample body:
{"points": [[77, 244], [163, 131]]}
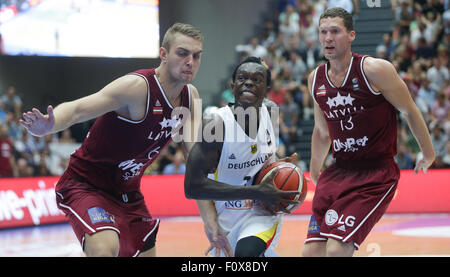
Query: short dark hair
{"points": [[181, 28], [342, 13], [257, 60]]}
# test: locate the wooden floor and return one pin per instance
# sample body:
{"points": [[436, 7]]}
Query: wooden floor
{"points": [[394, 235]]}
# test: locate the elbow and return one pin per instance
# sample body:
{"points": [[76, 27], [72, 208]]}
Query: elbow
{"points": [[191, 188]]}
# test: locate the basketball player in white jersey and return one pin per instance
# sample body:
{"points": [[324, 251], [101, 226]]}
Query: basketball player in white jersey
{"points": [[244, 146]]}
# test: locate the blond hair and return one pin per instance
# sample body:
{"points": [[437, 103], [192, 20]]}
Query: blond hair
{"points": [[181, 28]]}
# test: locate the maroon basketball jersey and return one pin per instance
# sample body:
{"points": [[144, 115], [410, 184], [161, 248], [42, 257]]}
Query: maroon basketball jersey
{"points": [[117, 150], [361, 122]]}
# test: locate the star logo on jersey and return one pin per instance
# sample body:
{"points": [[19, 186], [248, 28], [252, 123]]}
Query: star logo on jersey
{"points": [[339, 100], [172, 123]]}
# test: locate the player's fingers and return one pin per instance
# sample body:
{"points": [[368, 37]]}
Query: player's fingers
{"points": [[228, 250], [26, 125], [289, 192], [210, 248], [291, 158], [37, 113], [50, 112], [271, 176], [420, 166]]}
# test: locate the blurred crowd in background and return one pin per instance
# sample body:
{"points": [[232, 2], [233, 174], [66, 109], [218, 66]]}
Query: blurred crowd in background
{"points": [[418, 46]]}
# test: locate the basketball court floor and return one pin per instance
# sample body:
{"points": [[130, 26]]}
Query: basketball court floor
{"points": [[394, 235]]}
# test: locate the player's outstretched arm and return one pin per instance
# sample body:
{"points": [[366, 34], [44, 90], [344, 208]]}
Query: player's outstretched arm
{"points": [[126, 93], [383, 77]]}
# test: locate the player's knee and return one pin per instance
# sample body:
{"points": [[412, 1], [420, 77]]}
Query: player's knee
{"points": [[250, 247], [314, 249], [339, 249], [102, 246], [101, 249]]}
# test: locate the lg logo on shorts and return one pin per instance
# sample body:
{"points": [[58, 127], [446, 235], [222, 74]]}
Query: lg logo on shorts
{"points": [[331, 217]]}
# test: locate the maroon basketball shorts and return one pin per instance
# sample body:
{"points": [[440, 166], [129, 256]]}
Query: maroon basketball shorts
{"points": [[349, 201], [90, 210]]}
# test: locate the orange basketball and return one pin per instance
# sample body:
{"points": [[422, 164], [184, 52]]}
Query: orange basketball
{"points": [[288, 177]]}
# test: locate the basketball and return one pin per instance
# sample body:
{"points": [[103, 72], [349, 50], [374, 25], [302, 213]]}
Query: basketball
{"points": [[288, 177]]}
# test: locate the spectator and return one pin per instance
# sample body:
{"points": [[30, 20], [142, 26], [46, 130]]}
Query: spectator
{"points": [[404, 16], [289, 114], [177, 166], [425, 96], [404, 158], [424, 50], [297, 66], [438, 75], [440, 108], [277, 92], [289, 21], [50, 163], [446, 157], [254, 48], [439, 140], [351, 6], [3, 114], [24, 169], [433, 24], [12, 101], [227, 95], [7, 160]]}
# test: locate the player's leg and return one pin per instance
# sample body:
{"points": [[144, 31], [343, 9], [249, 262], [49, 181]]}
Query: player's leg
{"points": [[337, 248], [250, 247], [149, 249], [102, 244], [148, 253], [315, 244], [315, 249]]}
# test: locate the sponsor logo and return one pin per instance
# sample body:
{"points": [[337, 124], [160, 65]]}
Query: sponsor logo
{"points": [[246, 164], [98, 215], [239, 204], [131, 168], [321, 91], [331, 217], [37, 202], [350, 144], [355, 84], [313, 226]]}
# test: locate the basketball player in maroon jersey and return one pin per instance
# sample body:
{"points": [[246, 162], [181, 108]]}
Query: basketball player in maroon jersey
{"points": [[355, 102], [100, 190]]}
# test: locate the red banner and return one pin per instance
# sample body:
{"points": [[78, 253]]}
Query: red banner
{"points": [[31, 201], [28, 201]]}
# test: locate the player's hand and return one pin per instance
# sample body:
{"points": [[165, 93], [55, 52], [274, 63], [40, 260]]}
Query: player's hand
{"points": [[275, 199], [423, 164], [218, 240], [38, 124], [289, 159]]}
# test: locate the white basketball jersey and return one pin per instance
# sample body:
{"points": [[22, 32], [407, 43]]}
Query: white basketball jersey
{"points": [[241, 159]]}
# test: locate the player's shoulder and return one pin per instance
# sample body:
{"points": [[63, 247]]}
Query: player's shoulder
{"points": [[193, 90], [269, 104], [372, 64]]}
